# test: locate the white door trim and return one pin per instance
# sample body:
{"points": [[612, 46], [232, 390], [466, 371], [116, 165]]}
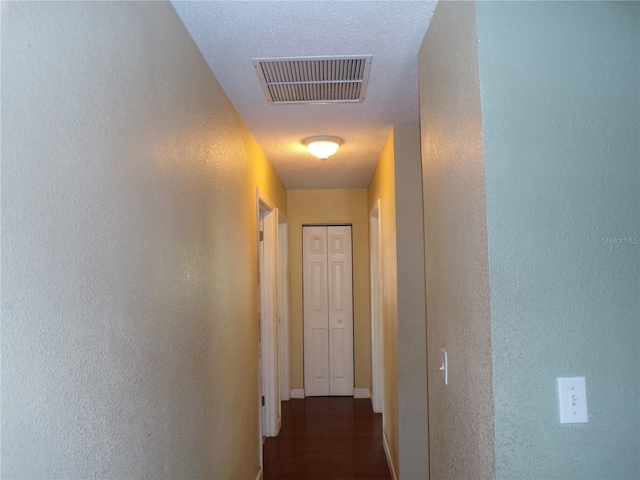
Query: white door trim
{"points": [[377, 369], [387, 453], [269, 316], [283, 305]]}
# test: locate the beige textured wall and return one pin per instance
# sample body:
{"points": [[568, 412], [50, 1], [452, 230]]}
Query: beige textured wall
{"points": [[129, 304], [458, 313], [382, 186], [331, 207]]}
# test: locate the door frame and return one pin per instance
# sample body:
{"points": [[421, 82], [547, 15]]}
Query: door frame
{"points": [[377, 349], [283, 305], [270, 417]]}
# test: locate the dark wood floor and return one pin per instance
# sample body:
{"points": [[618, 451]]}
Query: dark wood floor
{"points": [[328, 438]]}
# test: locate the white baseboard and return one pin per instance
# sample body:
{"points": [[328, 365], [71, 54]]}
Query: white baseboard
{"points": [[357, 393], [259, 477], [361, 393], [387, 453], [297, 393]]}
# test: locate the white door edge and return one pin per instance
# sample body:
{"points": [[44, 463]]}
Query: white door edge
{"points": [[267, 212]]}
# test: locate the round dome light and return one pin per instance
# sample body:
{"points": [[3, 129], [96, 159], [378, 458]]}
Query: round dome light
{"points": [[323, 147]]}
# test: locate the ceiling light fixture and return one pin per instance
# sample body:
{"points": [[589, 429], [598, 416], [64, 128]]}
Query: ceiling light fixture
{"points": [[323, 147]]}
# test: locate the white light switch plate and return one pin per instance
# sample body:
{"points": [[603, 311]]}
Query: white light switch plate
{"points": [[572, 399], [444, 368]]}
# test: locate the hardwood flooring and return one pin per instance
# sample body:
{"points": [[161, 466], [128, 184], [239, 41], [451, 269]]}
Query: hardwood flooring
{"points": [[327, 438]]}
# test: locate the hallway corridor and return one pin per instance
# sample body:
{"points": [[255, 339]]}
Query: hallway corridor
{"points": [[328, 438]]}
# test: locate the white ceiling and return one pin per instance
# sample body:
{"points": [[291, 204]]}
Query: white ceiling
{"points": [[231, 33]]}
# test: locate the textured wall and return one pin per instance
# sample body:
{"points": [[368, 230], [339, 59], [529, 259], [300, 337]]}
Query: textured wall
{"points": [[129, 319], [331, 207], [458, 313], [560, 86], [412, 336], [382, 187]]}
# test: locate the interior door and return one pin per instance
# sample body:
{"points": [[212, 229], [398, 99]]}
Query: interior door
{"points": [[328, 310]]}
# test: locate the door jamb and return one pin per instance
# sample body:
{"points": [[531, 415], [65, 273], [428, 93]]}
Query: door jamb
{"points": [[283, 305], [267, 211], [377, 350]]}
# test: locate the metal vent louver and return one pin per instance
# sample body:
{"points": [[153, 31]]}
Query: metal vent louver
{"points": [[341, 79]]}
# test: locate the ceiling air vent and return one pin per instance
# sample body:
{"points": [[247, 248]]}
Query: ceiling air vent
{"points": [[337, 79]]}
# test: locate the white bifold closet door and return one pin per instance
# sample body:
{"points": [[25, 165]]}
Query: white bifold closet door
{"points": [[328, 310]]}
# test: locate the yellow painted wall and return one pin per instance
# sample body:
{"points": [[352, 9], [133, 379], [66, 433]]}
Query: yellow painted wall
{"points": [[382, 186], [307, 207], [129, 265], [265, 176]]}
